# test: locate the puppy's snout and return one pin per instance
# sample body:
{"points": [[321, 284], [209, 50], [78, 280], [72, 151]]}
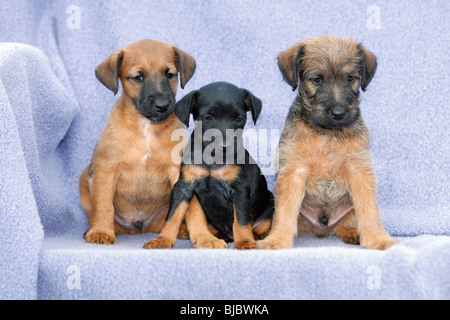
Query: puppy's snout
{"points": [[161, 105], [338, 113]]}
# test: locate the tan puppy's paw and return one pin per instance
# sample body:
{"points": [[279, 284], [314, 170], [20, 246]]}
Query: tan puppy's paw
{"points": [[100, 237], [210, 243], [158, 243], [273, 243]]}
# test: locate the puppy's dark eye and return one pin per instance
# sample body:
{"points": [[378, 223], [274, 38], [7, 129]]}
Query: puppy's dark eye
{"points": [[350, 78], [170, 75], [240, 119], [317, 80], [138, 78], [208, 118]]}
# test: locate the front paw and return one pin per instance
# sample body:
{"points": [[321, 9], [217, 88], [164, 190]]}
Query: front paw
{"points": [[245, 245], [183, 234], [210, 243], [378, 242], [158, 243], [100, 237], [274, 243], [349, 235]]}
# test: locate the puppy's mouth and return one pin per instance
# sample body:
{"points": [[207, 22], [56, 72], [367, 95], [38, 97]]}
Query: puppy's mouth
{"points": [[157, 119], [156, 116], [227, 143]]}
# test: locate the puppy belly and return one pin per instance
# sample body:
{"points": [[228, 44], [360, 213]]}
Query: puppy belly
{"points": [[137, 220], [324, 218]]}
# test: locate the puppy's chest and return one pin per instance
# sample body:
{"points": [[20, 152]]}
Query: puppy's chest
{"points": [[227, 173], [148, 151], [146, 161], [325, 157], [323, 149], [328, 163], [326, 191]]}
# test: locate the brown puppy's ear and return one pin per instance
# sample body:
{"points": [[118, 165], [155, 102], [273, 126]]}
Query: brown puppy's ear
{"points": [[368, 64], [185, 106], [185, 65], [290, 64], [252, 104], [109, 70]]}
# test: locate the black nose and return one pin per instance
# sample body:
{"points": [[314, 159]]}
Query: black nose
{"points": [[338, 113], [161, 105]]}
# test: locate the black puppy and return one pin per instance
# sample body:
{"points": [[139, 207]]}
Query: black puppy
{"points": [[220, 184]]}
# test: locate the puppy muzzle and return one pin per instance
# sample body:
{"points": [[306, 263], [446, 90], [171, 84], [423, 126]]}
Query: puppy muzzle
{"points": [[156, 109]]}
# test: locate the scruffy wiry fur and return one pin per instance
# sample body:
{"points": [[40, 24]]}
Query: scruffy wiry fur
{"points": [[325, 182]]}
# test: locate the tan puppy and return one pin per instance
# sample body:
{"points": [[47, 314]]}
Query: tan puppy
{"points": [[127, 186], [325, 181]]}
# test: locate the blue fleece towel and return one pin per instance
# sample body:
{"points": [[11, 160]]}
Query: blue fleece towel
{"points": [[53, 110]]}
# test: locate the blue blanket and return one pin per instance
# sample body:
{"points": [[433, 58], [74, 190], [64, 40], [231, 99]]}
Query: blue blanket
{"points": [[53, 110]]}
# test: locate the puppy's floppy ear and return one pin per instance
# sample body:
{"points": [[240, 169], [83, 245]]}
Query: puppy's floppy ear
{"points": [[185, 64], [109, 70], [290, 64], [185, 106], [252, 104], [368, 66]]}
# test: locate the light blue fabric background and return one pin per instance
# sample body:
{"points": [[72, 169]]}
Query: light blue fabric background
{"points": [[53, 110]]}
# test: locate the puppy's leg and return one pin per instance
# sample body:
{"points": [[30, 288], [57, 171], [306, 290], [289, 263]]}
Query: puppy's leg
{"points": [[289, 194], [347, 228], [174, 175], [85, 193], [261, 228], [199, 232], [242, 227], [183, 233], [363, 192], [86, 203], [243, 234], [101, 222], [179, 204]]}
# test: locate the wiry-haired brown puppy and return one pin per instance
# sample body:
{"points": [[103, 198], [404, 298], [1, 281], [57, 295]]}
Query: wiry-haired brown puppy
{"points": [[325, 170]]}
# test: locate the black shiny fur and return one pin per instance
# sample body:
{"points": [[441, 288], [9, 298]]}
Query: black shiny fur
{"points": [[222, 106]]}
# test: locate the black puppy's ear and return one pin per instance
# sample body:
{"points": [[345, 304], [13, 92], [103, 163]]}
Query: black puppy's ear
{"points": [[185, 106], [290, 64], [368, 66], [185, 64], [108, 71], [252, 104]]}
